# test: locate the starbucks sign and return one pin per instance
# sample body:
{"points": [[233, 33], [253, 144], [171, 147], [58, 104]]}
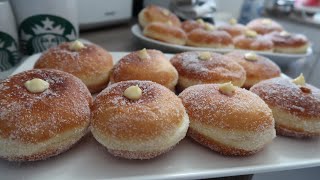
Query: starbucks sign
{"points": [[9, 54], [40, 32]]}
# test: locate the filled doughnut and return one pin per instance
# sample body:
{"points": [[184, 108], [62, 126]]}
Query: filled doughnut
{"points": [[285, 42], [165, 32], [228, 119], [252, 41], [88, 62], [190, 25], [209, 38], [138, 119], [257, 67], [154, 13], [145, 64], [233, 28], [264, 26], [295, 105], [42, 114], [205, 68]]}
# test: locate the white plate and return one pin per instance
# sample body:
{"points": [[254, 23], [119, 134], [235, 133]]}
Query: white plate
{"points": [[188, 160], [279, 58]]}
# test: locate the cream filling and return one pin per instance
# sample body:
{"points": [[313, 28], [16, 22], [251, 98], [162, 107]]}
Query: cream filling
{"points": [[163, 142], [287, 120], [245, 140], [14, 148]]}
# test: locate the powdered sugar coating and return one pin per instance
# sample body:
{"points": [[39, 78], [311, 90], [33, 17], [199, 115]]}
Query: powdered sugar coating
{"points": [[157, 68], [36, 117], [91, 64], [157, 113], [241, 111], [217, 69], [282, 93]]}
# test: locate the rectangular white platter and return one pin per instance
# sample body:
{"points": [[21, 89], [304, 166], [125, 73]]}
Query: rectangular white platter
{"points": [[188, 160]]}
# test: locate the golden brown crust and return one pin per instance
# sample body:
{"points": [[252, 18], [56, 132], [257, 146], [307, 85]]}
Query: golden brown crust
{"points": [[42, 155], [190, 25], [256, 71], [143, 119], [157, 69], [204, 38], [217, 146], [218, 69], [233, 30], [36, 117], [91, 64], [205, 104], [259, 43], [287, 96], [154, 13], [289, 41], [294, 132], [261, 27], [165, 32]]}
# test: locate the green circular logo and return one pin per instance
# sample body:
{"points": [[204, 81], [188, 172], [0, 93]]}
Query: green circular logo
{"points": [[9, 54], [40, 32]]}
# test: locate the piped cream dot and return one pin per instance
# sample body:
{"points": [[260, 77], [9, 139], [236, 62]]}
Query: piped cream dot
{"points": [[300, 81], [227, 88], [76, 45], [251, 56], [233, 21], [204, 56], [36, 85], [133, 93], [143, 54], [250, 33]]}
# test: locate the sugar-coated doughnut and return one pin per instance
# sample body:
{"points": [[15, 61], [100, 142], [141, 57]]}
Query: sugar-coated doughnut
{"points": [[154, 13], [166, 33], [89, 62], [264, 25], [35, 125], [255, 43], [233, 29], [149, 65], [206, 67], [140, 128], [257, 67], [190, 25], [285, 42], [296, 109], [210, 39], [234, 124]]}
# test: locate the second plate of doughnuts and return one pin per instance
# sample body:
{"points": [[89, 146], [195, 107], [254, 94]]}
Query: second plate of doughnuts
{"points": [[281, 59]]}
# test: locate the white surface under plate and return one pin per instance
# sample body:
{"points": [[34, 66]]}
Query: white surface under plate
{"points": [[281, 59], [188, 160]]}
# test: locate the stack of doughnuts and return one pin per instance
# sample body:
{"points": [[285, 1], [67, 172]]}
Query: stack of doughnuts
{"points": [[160, 24], [43, 113]]}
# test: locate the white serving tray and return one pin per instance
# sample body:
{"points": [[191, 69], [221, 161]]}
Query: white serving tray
{"points": [[281, 59], [188, 160]]}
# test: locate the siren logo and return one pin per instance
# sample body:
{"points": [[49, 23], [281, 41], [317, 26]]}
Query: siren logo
{"points": [[40, 32], [9, 54]]}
